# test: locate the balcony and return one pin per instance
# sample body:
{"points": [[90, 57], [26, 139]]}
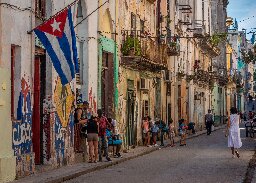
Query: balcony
{"points": [[151, 1], [173, 48], [207, 46], [142, 52]]}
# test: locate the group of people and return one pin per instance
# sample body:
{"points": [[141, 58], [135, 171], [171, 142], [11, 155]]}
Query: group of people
{"points": [[152, 129], [99, 131]]}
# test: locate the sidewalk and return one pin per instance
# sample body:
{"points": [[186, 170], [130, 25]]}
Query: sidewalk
{"points": [[72, 171]]}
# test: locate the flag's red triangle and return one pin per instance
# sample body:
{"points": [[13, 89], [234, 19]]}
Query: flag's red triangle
{"points": [[55, 25]]}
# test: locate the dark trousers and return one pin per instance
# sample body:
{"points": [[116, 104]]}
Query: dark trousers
{"points": [[209, 128], [162, 137], [103, 144]]}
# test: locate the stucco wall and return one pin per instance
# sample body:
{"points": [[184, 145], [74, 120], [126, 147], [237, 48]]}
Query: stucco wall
{"points": [[14, 32]]}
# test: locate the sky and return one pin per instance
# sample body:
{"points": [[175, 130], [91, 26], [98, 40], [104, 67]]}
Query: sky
{"points": [[242, 10]]}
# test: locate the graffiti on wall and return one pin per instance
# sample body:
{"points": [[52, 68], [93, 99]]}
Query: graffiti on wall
{"points": [[64, 100], [22, 127], [58, 126], [92, 101], [22, 132]]}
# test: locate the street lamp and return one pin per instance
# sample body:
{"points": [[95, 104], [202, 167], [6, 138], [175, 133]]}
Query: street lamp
{"points": [[229, 21]]}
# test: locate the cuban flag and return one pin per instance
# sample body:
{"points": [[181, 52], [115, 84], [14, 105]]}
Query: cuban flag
{"points": [[58, 37]]}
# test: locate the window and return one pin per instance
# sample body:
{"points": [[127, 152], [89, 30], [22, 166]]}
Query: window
{"points": [[15, 75], [40, 8], [12, 79], [133, 21], [142, 25], [145, 108]]}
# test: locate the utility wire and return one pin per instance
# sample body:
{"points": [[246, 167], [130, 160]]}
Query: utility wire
{"points": [[90, 14], [56, 14]]}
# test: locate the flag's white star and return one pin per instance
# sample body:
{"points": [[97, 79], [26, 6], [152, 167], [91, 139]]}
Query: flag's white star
{"points": [[56, 26]]}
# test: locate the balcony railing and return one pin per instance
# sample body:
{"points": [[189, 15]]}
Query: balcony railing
{"points": [[173, 48], [209, 47], [151, 1], [143, 50]]}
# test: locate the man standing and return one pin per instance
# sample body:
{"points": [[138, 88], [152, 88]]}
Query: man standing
{"points": [[80, 120], [103, 142], [209, 122]]}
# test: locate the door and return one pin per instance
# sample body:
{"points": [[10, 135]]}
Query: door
{"points": [[36, 113], [131, 127], [107, 81]]}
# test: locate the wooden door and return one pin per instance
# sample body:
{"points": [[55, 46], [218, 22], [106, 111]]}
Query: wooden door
{"points": [[108, 84], [36, 112]]}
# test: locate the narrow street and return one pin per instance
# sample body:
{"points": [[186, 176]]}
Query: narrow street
{"points": [[205, 159]]}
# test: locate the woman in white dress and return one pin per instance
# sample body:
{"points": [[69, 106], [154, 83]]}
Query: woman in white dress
{"points": [[234, 140]]}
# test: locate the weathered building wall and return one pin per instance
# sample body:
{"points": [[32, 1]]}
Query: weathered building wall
{"points": [[59, 102], [14, 34], [87, 44]]}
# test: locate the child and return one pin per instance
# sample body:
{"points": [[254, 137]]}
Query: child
{"points": [[154, 130], [182, 132], [171, 134]]}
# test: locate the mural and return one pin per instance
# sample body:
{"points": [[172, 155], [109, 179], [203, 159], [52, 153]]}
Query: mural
{"points": [[22, 132], [22, 127], [64, 99], [59, 126]]}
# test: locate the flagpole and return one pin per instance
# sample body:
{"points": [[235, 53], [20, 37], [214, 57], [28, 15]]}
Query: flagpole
{"points": [[56, 14]]}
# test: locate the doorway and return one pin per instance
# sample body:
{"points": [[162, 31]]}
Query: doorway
{"points": [[107, 80], [131, 126], [39, 95]]}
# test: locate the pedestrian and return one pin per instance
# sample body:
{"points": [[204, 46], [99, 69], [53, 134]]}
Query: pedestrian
{"points": [[154, 131], [234, 140], [92, 137], [145, 130], [171, 133], [182, 132], [209, 122], [191, 127], [80, 120], [163, 129], [103, 142]]}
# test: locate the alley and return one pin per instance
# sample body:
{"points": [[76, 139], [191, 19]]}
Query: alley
{"points": [[205, 159]]}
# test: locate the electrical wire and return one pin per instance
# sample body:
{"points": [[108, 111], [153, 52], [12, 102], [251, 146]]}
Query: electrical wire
{"points": [[90, 14], [14, 7]]}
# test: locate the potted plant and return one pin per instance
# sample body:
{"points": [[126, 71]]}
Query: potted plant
{"points": [[131, 47]]}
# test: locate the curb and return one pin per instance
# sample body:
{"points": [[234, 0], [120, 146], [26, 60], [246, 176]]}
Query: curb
{"points": [[70, 176]]}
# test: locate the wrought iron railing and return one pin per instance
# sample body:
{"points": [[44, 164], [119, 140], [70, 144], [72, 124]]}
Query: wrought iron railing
{"points": [[138, 44]]}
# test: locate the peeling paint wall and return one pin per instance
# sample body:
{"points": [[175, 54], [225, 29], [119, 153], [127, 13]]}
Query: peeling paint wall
{"points": [[14, 33]]}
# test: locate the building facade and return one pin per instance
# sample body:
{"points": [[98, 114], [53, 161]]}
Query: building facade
{"points": [[156, 58]]}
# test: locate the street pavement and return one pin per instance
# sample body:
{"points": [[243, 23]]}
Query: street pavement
{"points": [[205, 159]]}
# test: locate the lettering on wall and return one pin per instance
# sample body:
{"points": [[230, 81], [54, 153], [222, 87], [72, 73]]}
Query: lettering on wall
{"points": [[22, 127]]}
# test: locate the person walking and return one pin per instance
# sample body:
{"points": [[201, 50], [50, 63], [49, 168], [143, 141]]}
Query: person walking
{"points": [[103, 141], [209, 122], [154, 131], [183, 132], [234, 140], [171, 133], [92, 138]]}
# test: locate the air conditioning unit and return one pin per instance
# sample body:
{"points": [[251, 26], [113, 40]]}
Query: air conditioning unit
{"points": [[144, 84], [166, 75]]}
